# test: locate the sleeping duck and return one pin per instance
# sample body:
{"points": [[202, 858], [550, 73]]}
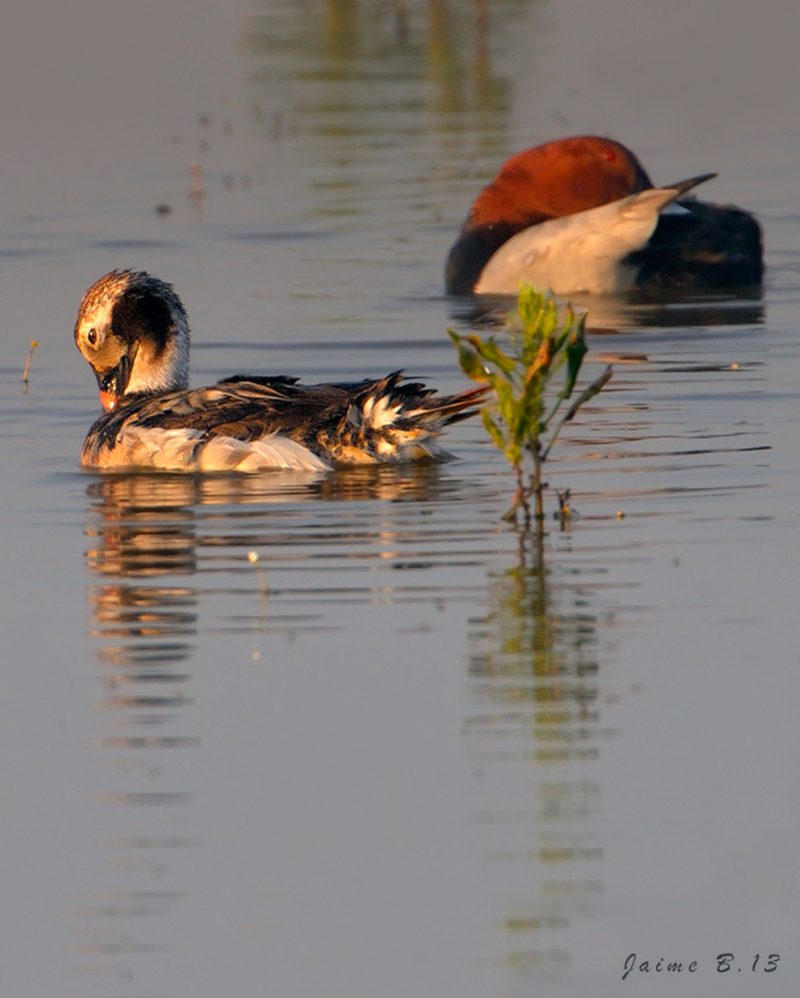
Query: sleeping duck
{"points": [[581, 215]]}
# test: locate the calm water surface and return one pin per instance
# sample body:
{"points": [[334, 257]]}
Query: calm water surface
{"points": [[329, 736]]}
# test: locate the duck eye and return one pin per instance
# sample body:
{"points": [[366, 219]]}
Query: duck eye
{"points": [[91, 336]]}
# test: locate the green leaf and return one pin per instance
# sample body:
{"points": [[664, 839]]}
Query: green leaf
{"points": [[588, 393], [471, 363], [576, 350], [493, 430], [491, 352], [566, 328], [543, 337]]}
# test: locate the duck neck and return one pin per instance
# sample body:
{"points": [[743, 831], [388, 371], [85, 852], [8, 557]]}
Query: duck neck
{"points": [[162, 368]]}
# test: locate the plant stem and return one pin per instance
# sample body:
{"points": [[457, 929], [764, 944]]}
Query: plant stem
{"points": [[584, 397], [537, 487], [26, 370], [520, 499], [552, 413]]}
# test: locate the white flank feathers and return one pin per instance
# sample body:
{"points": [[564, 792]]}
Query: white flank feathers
{"points": [[185, 450], [381, 413], [580, 252]]}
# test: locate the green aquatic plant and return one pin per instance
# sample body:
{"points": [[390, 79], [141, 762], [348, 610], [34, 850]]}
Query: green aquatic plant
{"points": [[524, 416]]}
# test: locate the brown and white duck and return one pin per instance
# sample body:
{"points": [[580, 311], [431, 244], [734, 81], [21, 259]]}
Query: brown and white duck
{"points": [[581, 215], [133, 330]]}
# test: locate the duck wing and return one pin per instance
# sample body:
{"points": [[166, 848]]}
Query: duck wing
{"points": [[588, 251], [241, 417]]}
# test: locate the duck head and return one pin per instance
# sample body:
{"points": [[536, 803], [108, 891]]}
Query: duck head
{"points": [[559, 178], [133, 330]]}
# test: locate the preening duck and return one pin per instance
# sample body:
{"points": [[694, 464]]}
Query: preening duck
{"points": [[582, 215], [133, 330]]}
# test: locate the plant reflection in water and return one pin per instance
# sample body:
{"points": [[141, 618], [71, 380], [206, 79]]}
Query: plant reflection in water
{"points": [[536, 733]]}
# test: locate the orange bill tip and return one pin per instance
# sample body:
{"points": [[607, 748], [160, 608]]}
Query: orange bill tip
{"points": [[108, 401]]}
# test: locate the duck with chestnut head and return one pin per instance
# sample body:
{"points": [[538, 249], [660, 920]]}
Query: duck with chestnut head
{"points": [[581, 215]]}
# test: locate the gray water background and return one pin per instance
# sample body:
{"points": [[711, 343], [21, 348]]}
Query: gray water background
{"points": [[383, 761]]}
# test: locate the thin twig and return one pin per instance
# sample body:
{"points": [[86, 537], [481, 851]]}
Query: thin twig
{"points": [[584, 396], [554, 410], [26, 370]]}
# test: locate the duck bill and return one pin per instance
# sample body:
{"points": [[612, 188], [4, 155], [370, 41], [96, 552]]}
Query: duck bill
{"points": [[686, 185], [112, 384], [108, 401]]}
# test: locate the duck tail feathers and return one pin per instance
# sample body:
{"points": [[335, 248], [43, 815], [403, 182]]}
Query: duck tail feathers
{"points": [[399, 420], [393, 402]]}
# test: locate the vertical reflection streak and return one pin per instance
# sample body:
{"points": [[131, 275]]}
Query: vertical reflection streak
{"points": [[142, 541], [536, 733]]}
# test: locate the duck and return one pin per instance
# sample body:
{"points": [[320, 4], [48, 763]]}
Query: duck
{"points": [[580, 214], [133, 330]]}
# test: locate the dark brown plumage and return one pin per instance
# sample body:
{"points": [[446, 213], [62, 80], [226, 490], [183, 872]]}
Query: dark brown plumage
{"points": [[133, 330]]}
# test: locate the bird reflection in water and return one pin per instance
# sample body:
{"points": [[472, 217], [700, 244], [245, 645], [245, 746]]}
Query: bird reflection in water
{"points": [[166, 555], [143, 623], [145, 527], [623, 313], [154, 541]]}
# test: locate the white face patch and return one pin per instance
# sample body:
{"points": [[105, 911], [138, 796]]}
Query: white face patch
{"points": [[93, 328], [150, 369]]}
